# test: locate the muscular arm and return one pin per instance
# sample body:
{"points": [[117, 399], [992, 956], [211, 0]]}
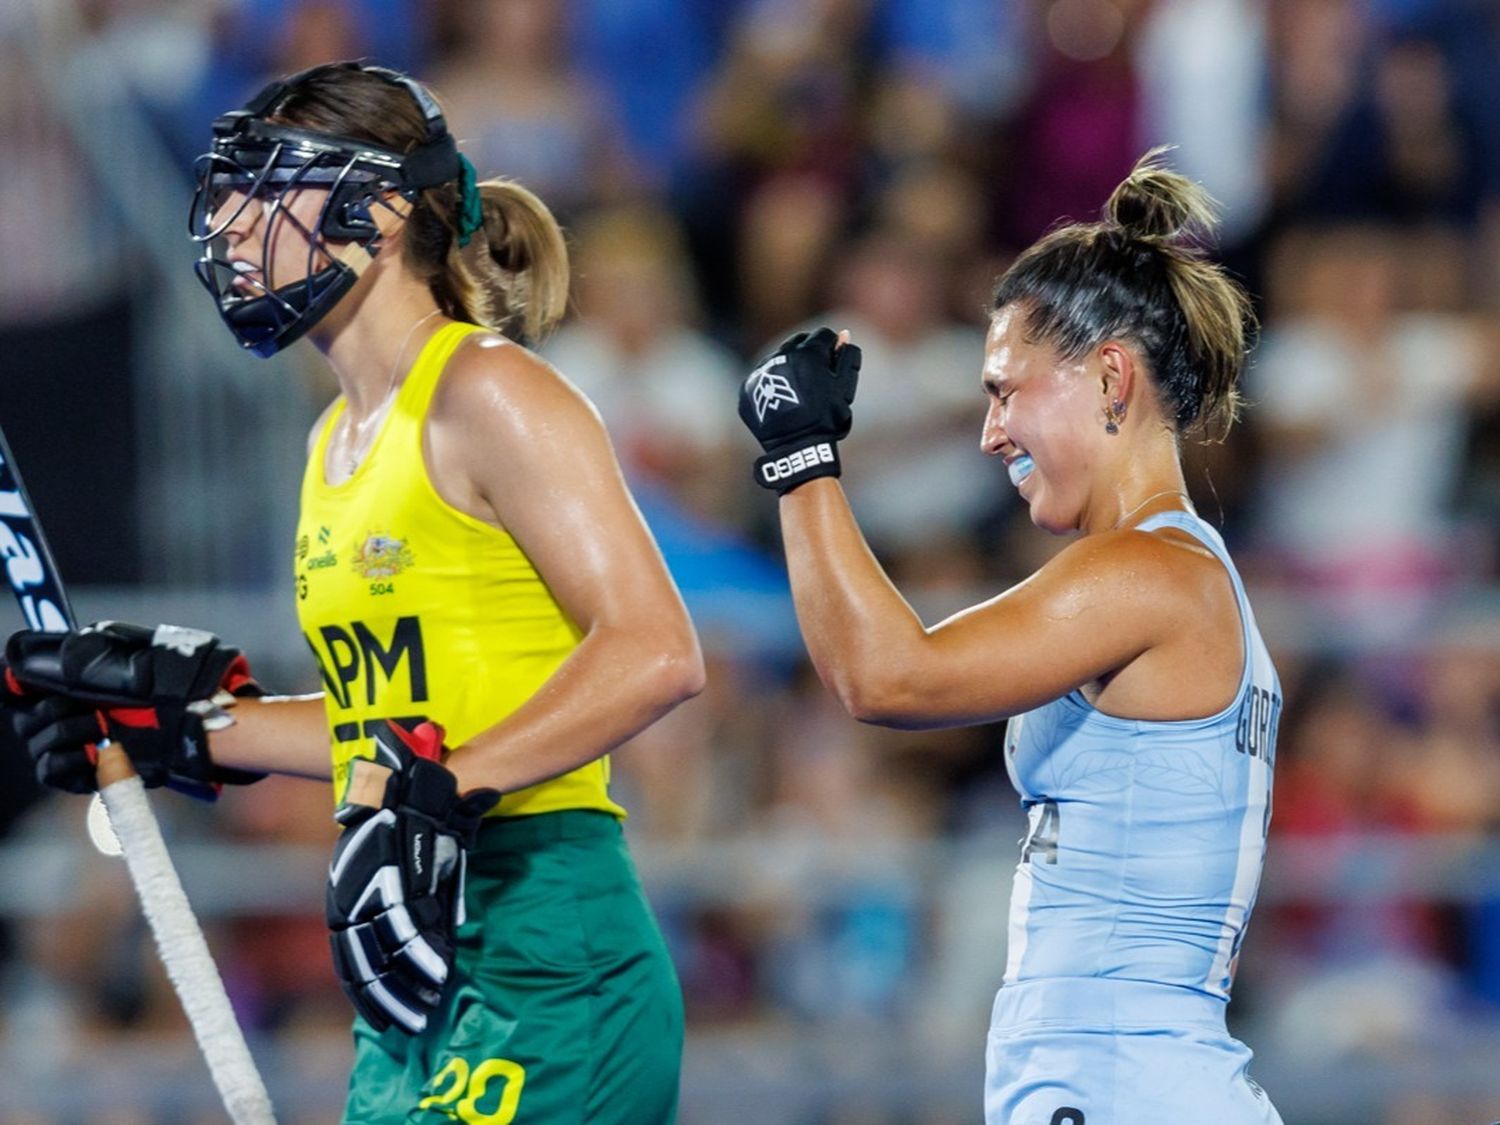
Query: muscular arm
{"points": [[511, 442], [1092, 610]]}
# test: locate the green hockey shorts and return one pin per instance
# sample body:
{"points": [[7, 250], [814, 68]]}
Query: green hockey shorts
{"points": [[565, 1006]]}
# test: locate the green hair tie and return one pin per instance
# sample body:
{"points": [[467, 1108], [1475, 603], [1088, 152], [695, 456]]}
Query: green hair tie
{"points": [[470, 204]]}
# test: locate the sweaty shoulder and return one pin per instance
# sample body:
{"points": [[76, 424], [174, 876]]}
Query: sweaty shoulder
{"points": [[1148, 581], [491, 381], [1198, 583], [503, 425]]}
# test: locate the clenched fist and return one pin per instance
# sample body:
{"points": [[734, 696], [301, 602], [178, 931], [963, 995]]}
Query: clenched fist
{"points": [[797, 403]]}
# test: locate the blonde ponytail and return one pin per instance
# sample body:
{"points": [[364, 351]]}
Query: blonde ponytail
{"points": [[524, 256], [513, 275]]}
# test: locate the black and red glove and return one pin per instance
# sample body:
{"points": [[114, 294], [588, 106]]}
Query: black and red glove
{"points": [[798, 403], [395, 894], [157, 693], [28, 712]]}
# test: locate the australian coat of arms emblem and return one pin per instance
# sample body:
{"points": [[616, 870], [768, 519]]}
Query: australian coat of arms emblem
{"points": [[382, 556]]}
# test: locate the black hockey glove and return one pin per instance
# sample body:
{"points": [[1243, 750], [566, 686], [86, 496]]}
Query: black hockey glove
{"points": [[28, 712], [396, 884], [797, 404], [156, 692]]}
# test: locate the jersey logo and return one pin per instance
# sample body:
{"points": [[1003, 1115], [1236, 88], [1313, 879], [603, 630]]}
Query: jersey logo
{"points": [[768, 390], [382, 556], [325, 557], [355, 657]]}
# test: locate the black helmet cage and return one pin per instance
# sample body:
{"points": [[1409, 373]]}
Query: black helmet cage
{"points": [[254, 162]]}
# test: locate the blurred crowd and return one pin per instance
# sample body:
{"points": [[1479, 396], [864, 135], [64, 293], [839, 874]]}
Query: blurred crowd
{"points": [[732, 170]]}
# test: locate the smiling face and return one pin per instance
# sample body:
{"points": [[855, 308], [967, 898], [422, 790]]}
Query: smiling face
{"points": [[1046, 420]]}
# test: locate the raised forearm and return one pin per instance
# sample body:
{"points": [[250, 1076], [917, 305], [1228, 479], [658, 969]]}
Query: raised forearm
{"points": [[859, 630]]}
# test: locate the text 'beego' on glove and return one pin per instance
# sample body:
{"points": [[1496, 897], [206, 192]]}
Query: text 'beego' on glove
{"points": [[395, 892], [797, 403]]}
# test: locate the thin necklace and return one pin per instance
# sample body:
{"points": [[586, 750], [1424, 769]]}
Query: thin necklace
{"points": [[358, 444], [1147, 500]]}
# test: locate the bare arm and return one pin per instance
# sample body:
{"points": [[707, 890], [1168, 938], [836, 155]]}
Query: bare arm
{"points": [[513, 443], [1095, 608], [277, 734]]}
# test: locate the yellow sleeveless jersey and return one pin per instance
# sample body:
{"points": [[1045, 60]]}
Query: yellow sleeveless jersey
{"points": [[416, 609]]}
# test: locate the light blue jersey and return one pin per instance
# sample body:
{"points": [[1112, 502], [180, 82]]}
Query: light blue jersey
{"points": [[1136, 882]]}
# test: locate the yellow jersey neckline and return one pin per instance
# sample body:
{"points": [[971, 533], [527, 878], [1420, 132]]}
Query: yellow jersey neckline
{"points": [[340, 404]]}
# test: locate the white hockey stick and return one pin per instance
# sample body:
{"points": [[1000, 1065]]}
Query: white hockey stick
{"points": [[34, 578]]}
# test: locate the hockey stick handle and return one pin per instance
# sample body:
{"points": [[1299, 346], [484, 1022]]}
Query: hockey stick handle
{"points": [[37, 583], [184, 951]]}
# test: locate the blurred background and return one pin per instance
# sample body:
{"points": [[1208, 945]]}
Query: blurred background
{"points": [[729, 170]]}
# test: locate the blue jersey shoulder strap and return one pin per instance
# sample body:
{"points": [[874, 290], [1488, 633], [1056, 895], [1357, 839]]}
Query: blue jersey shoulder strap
{"points": [[1200, 530]]}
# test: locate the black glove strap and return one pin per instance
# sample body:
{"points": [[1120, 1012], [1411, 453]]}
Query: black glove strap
{"points": [[785, 467]]}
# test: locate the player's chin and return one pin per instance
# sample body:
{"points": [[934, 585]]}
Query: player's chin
{"points": [[1051, 527], [1046, 516]]}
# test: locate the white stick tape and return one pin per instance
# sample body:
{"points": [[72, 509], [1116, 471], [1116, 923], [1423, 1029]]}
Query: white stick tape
{"points": [[185, 955]]}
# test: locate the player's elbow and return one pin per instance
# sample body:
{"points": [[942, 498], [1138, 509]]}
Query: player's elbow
{"points": [[880, 712], [894, 690], [687, 677], [864, 707], [675, 672], [875, 695], [907, 704]]}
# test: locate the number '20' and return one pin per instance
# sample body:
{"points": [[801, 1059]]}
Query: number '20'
{"points": [[456, 1082]]}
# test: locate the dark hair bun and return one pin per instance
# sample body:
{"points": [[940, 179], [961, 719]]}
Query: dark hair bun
{"points": [[1084, 283], [1155, 204]]}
